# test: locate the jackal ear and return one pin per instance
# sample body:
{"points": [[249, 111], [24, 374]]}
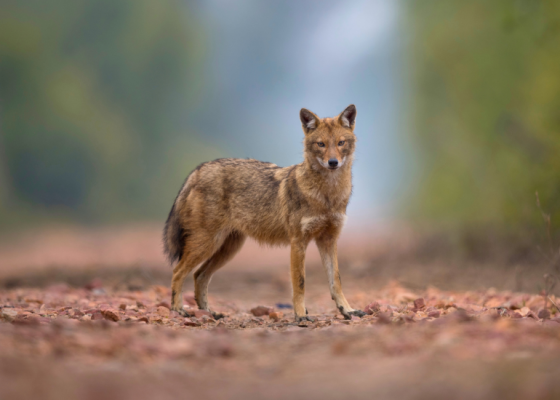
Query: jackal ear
{"points": [[348, 116], [309, 121]]}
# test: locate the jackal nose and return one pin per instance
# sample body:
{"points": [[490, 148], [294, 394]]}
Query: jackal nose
{"points": [[333, 162]]}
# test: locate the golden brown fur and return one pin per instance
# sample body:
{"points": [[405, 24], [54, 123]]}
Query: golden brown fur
{"points": [[224, 201]]}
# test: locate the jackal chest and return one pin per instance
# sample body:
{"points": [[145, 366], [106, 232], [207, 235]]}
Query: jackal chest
{"points": [[316, 223]]}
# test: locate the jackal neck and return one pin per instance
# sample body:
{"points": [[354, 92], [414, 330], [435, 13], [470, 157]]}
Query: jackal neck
{"points": [[331, 188]]}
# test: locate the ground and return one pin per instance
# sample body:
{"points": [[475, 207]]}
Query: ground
{"points": [[75, 328]]}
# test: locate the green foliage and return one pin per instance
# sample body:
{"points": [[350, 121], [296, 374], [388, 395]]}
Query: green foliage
{"points": [[486, 100], [92, 99]]}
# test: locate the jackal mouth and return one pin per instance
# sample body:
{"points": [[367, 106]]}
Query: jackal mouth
{"points": [[333, 168]]}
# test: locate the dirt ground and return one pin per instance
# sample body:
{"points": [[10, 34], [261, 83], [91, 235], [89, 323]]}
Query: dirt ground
{"points": [[85, 315]]}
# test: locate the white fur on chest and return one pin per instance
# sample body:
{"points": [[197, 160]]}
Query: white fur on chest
{"points": [[310, 224]]}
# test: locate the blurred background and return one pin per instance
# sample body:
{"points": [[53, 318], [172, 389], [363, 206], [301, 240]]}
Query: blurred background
{"points": [[106, 106]]}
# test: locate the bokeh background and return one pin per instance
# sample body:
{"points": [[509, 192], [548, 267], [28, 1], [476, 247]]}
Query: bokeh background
{"points": [[106, 106]]}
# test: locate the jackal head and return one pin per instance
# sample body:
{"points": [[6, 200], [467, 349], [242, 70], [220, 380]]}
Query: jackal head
{"points": [[329, 142]]}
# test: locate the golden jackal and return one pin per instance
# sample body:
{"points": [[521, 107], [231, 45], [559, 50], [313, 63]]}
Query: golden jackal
{"points": [[224, 201]]}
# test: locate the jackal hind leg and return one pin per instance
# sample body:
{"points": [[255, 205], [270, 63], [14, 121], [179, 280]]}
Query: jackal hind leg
{"points": [[196, 251], [203, 275], [328, 251]]}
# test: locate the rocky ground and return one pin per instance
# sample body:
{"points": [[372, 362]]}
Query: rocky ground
{"points": [[62, 342], [89, 329]]}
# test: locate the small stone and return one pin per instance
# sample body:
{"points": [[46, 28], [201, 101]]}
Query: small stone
{"points": [[205, 319], [372, 308], [122, 306], [163, 311], [276, 316], [33, 300], [544, 314], [434, 314], [419, 304], [524, 311], [111, 315], [190, 322], [8, 314], [261, 310]]}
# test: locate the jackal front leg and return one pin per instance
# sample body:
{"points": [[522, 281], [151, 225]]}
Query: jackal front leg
{"points": [[328, 250], [297, 272]]}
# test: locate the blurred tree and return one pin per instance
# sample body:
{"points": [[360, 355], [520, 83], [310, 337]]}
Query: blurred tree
{"points": [[92, 100], [486, 100]]}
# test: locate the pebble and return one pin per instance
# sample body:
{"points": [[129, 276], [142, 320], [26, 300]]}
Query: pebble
{"points": [[8, 314], [419, 304], [190, 322], [434, 314], [276, 315], [206, 319], [111, 315], [259, 311], [372, 308]]}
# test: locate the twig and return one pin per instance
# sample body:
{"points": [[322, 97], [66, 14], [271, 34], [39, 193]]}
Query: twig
{"points": [[546, 218], [554, 304], [549, 284]]}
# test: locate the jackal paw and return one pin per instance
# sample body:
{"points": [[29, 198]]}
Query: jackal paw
{"points": [[305, 318], [349, 314], [358, 313], [181, 311]]}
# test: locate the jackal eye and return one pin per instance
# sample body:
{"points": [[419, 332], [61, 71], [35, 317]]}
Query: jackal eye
{"points": [[341, 143], [320, 144]]}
